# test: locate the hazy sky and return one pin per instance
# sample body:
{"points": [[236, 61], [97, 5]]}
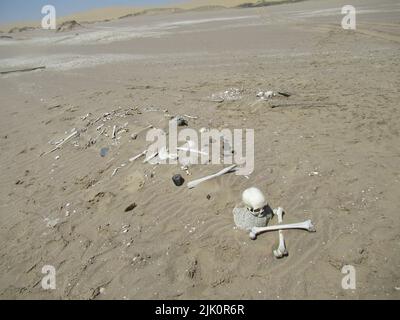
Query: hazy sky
{"points": [[15, 10]]}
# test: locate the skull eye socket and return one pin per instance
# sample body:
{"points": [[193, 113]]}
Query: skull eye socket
{"points": [[256, 211]]}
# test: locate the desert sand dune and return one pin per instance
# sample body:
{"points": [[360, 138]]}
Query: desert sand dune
{"points": [[110, 13]]}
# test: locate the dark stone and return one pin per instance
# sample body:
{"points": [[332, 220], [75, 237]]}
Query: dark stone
{"points": [[208, 197], [178, 180], [131, 207], [181, 122]]}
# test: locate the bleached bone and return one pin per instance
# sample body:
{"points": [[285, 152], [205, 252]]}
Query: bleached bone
{"points": [[115, 172], [194, 183], [114, 132], [155, 154], [281, 251], [138, 156], [186, 169], [254, 199], [72, 135], [188, 146], [103, 116], [264, 95], [190, 117], [306, 225], [279, 214], [121, 130], [191, 150]]}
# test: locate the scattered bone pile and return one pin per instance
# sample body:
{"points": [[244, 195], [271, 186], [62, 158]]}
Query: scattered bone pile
{"points": [[234, 94], [231, 94], [110, 128], [95, 129]]}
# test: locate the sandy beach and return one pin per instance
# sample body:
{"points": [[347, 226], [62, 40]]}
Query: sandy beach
{"points": [[330, 153]]}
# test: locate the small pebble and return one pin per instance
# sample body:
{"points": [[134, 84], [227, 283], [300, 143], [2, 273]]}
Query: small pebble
{"points": [[178, 180], [181, 122]]}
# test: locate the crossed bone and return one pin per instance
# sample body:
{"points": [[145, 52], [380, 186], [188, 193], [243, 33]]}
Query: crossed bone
{"points": [[281, 251], [306, 225]]}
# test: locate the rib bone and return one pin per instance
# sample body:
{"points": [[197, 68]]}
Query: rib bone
{"points": [[307, 225]]}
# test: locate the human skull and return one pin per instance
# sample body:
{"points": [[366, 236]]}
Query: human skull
{"points": [[254, 199]]}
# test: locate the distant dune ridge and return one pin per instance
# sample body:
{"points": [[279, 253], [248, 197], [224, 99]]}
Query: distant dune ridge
{"points": [[68, 25], [117, 12]]}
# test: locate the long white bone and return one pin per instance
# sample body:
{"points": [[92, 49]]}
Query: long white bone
{"points": [[194, 183], [281, 251], [191, 150], [190, 117], [189, 146], [155, 154], [138, 156], [58, 146], [306, 225]]}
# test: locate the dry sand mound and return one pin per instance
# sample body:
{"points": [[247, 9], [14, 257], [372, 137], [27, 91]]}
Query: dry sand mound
{"points": [[17, 29], [68, 26]]}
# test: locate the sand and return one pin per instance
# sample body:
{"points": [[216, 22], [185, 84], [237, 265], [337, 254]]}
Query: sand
{"points": [[329, 153]]}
